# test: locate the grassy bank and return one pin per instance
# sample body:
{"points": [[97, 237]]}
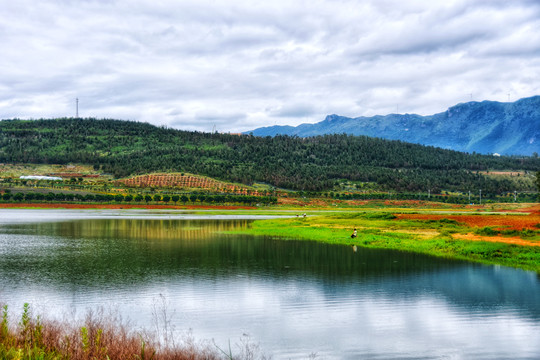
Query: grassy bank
{"points": [[104, 336], [444, 237]]}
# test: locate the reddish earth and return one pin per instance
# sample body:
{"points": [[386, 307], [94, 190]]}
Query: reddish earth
{"points": [[124, 206], [504, 239], [516, 222], [390, 203], [533, 209], [306, 202]]}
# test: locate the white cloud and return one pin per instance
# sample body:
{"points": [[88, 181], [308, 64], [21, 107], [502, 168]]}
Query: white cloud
{"points": [[243, 64]]}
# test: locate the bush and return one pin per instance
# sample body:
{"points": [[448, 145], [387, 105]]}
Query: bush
{"points": [[487, 231]]}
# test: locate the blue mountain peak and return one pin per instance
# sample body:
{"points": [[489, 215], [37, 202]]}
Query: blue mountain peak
{"points": [[483, 127]]}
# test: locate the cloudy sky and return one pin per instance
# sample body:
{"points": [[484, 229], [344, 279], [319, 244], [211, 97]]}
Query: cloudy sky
{"points": [[237, 65]]}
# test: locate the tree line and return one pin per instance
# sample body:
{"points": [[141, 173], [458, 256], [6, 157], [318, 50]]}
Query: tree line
{"points": [[125, 148], [192, 198]]}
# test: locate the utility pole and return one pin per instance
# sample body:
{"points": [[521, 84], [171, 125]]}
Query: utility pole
{"points": [[77, 108], [480, 196], [515, 195], [469, 196]]}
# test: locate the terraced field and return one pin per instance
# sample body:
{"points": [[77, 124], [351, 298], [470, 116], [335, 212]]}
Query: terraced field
{"points": [[186, 181]]}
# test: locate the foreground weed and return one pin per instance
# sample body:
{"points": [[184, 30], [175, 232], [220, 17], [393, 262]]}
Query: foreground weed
{"points": [[101, 337], [142, 356], [25, 324], [4, 331], [84, 339]]}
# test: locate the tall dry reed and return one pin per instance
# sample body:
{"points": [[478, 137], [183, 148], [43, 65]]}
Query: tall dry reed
{"points": [[102, 336]]}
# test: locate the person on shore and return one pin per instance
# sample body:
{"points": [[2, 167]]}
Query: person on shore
{"points": [[354, 234]]}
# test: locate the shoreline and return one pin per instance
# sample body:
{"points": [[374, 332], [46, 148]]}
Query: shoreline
{"points": [[444, 237], [122, 206], [497, 238]]}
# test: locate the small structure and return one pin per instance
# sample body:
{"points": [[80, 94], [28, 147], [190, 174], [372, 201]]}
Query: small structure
{"points": [[39, 177]]}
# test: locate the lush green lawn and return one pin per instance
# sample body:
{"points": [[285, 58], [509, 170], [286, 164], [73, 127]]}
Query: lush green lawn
{"points": [[383, 230]]}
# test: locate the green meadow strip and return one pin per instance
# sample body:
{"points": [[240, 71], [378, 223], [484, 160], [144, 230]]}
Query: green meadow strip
{"points": [[381, 231]]}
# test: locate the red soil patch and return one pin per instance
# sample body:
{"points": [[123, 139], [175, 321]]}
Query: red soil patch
{"points": [[503, 239], [305, 202], [124, 206], [390, 203], [516, 222], [533, 209]]}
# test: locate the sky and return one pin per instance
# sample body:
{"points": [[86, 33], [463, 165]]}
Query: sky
{"points": [[235, 65]]}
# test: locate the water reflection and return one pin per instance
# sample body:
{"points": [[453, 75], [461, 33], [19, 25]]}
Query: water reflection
{"points": [[153, 229], [295, 297], [135, 251], [126, 251]]}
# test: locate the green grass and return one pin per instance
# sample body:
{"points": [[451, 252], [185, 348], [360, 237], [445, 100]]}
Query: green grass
{"points": [[524, 233], [382, 232]]}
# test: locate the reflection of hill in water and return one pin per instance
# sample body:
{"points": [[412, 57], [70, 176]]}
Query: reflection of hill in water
{"points": [[152, 229], [92, 254]]}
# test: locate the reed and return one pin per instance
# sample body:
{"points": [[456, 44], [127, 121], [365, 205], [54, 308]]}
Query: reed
{"points": [[100, 336]]}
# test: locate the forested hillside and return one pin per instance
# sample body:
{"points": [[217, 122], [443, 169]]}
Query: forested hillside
{"points": [[125, 148]]}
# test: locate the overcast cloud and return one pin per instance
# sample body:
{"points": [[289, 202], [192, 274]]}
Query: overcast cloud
{"points": [[237, 65]]}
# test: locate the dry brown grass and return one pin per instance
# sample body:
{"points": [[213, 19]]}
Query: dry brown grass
{"points": [[102, 336]]}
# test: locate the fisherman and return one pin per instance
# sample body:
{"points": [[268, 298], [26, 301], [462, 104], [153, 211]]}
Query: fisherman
{"points": [[354, 234]]}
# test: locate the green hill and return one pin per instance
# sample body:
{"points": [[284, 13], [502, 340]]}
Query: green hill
{"points": [[125, 148]]}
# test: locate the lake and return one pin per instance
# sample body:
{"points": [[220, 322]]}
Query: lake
{"points": [[296, 299]]}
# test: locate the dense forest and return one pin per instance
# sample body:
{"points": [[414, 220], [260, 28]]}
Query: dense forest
{"points": [[125, 148]]}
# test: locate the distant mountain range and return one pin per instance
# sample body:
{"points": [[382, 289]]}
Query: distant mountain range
{"points": [[485, 127]]}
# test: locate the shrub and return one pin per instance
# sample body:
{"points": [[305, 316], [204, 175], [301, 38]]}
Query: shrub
{"points": [[487, 231]]}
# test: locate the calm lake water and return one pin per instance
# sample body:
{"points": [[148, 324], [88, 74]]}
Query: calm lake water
{"points": [[293, 298]]}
